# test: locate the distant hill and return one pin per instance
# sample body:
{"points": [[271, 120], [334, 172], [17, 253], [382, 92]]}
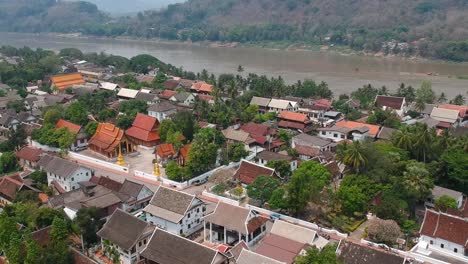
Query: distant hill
{"points": [[119, 7], [48, 16]]}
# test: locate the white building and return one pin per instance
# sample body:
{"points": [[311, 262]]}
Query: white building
{"points": [[397, 104], [438, 192], [176, 212], [278, 105], [63, 174], [162, 110], [126, 234]]}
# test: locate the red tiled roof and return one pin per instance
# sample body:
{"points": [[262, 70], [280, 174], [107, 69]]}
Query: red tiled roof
{"points": [[389, 101], [202, 87], [205, 97], [248, 172], [109, 183], [43, 197], [144, 128], [184, 151], [259, 139], [107, 137], [67, 80], [373, 129], [166, 94], [445, 226], [71, 126], [165, 150], [255, 223], [289, 124], [323, 103], [9, 185], [256, 129], [292, 116], [443, 124], [57, 186], [463, 109], [42, 236], [307, 151], [29, 154], [171, 84], [203, 124]]}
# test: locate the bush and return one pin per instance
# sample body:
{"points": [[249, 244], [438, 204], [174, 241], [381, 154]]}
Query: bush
{"points": [[219, 189]]}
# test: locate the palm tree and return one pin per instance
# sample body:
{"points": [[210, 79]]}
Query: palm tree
{"points": [[403, 139], [423, 140], [354, 156], [419, 105], [417, 180]]}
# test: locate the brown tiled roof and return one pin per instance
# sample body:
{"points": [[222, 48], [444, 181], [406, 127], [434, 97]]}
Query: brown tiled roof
{"points": [[131, 188], [307, 151], [41, 236], [123, 229], [29, 154], [166, 94], [107, 137], [165, 150], [389, 101], [290, 124], [166, 248], [170, 204], [9, 185], [171, 84], [268, 155], [109, 183], [71, 126], [230, 216], [185, 151], [295, 117], [248, 172], [280, 248], [205, 97], [202, 87], [353, 253], [256, 129], [67, 80], [58, 166], [445, 226], [80, 258], [144, 128], [256, 223]]}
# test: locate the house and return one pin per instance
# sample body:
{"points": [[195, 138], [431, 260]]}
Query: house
{"points": [[312, 141], [265, 156], [397, 104], [446, 117], [109, 141], [108, 86], [463, 110], [135, 195], [176, 212], [162, 110], [127, 234], [229, 224], [444, 233], [145, 78], [10, 186], [81, 135], [164, 153], [278, 105], [167, 248], [201, 88], [349, 130], [149, 98], [10, 96], [62, 174], [385, 134], [438, 192], [166, 94], [249, 171], [207, 98], [144, 131], [28, 157], [182, 158], [171, 84], [286, 241], [125, 93], [91, 76], [238, 136], [183, 98], [261, 102], [351, 252], [64, 81], [262, 134], [247, 257], [296, 121]]}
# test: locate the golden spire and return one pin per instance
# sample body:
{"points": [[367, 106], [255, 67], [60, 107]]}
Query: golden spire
{"points": [[156, 170], [120, 158]]}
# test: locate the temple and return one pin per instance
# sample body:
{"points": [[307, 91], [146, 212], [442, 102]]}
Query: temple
{"points": [[144, 131], [109, 140]]}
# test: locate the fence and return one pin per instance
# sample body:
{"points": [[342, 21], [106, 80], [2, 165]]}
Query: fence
{"points": [[98, 162]]}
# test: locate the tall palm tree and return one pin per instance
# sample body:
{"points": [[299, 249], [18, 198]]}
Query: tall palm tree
{"points": [[423, 141], [354, 156], [403, 139]]}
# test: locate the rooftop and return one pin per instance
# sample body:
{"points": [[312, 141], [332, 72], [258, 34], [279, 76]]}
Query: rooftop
{"points": [[249, 171], [127, 93], [438, 191], [67, 80], [445, 226], [169, 204], [58, 166], [107, 136], [144, 128], [355, 253], [249, 257], [373, 129], [260, 101], [165, 150], [29, 153], [292, 116], [445, 115], [69, 125], [392, 102], [311, 141]]}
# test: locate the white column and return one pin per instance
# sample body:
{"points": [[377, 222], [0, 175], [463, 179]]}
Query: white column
{"points": [[211, 232], [204, 230], [224, 235]]}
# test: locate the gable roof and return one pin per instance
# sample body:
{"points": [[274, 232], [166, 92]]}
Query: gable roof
{"points": [[230, 216], [310, 141], [181, 96], [162, 106], [69, 125], [144, 128], [107, 136], [167, 248], [171, 84], [280, 104], [280, 248], [59, 166], [439, 191], [392, 102], [202, 87], [293, 116], [237, 135], [463, 109], [445, 226], [185, 151], [67, 80], [256, 129], [353, 253], [10, 185], [294, 232], [249, 257], [127, 93], [386, 133], [165, 150], [124, 229], [373, 129], [445, 115], [29, 153], [249, 171], [131, 188], [149, 97], [108, 86], [260, 101], [169, 204], [273, 156]]}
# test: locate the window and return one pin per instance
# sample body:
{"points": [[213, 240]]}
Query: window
{"points": [[189, 225], [73, 187], [342, 136], [431, 242], [324, 133], [198, 210], [144, 241], [204, 209], [441, 245], [188, 216], [139, 244], [72, 179], [455, 250], [180, 231], [198, 221], [87, 173], [335, 135]]}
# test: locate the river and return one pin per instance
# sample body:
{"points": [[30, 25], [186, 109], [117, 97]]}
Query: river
{"points": [[343, 73]]}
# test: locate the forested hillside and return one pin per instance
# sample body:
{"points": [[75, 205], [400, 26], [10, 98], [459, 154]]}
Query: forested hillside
{"points": [[48, 16]]}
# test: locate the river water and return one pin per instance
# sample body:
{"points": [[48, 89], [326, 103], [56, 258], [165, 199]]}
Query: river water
{"points": [[343, 73]]}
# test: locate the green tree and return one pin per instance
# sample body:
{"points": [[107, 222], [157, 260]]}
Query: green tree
{"points": [[353, 155], [39, 177], [458, 100], [417, 181], [285, 136], [383, 231], [445, 202], [144, 63], [352, 198], [315, 256], [177, 173], [282, 167], [89, 221], [52, 116], [306, 182], [65, 138], [8, 162], [366, 95], [77, 113], [125, 121], [236, 152], [166, 128], [185, 122], [278, 199], [175, 139], [27, 196], [263, 187], [91, 127], [456, 168], [425, 93], [249, 113], [33, 252]]}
